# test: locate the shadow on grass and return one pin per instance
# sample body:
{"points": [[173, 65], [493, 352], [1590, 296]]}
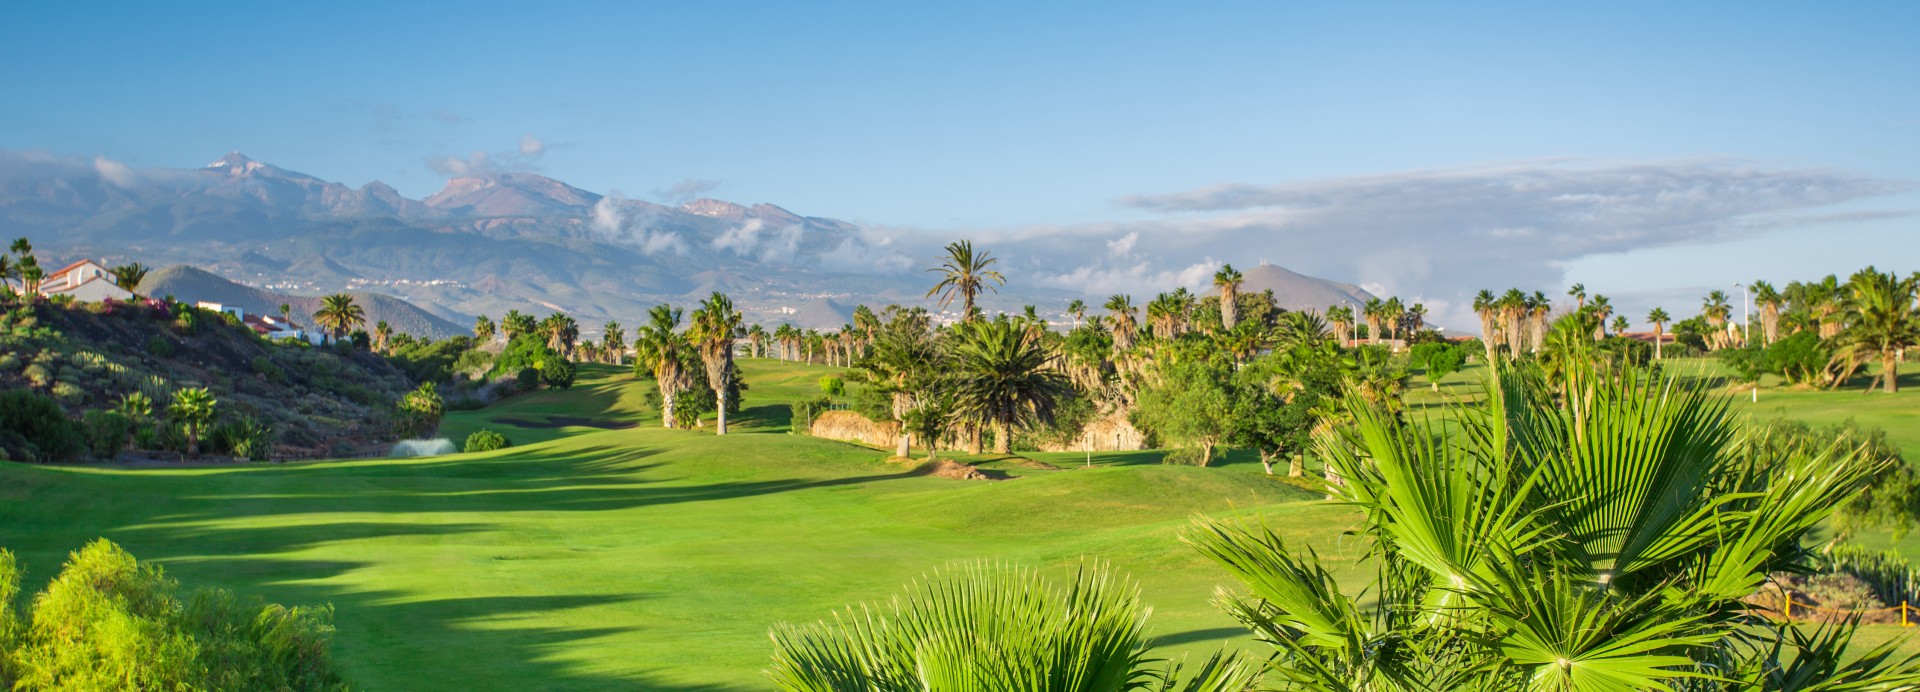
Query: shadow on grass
{"points": [[1214, 634]]}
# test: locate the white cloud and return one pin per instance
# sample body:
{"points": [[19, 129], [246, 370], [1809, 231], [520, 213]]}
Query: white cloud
{"points": [[687, 190], [615, 220], [113, 171], [531, 147], [478, 162], [1123, 245]]}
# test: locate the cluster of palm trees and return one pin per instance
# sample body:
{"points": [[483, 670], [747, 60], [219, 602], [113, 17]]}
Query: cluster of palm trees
{"points": [[669, 355]]}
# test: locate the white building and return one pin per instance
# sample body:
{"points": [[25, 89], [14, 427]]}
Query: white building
{"points": [[85, 280]]}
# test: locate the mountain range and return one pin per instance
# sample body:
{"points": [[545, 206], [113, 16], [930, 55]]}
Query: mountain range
{"points": [[484, 244]]}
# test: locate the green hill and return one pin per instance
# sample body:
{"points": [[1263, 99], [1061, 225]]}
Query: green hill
{"points": [[190, 284]]}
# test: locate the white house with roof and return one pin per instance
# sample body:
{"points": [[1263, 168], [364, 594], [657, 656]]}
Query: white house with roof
{"points": [[85, 280], [269, 326]]}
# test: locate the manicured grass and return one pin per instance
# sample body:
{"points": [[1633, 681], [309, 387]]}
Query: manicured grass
{"points": [[585, 558]]}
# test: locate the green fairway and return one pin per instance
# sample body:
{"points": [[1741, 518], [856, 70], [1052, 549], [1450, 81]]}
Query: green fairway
{"points": [[589, 558]]}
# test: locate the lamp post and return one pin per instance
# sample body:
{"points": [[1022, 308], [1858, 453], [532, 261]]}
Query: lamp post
{"points": [[1746, 331]]}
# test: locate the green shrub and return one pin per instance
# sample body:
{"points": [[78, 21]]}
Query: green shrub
{"points": [[109, 622], [803, 413], [418, 413], [39, 375], [160, 347], [245, 437], [486, 441], [34, 428], [557, 373], [107, 432]]}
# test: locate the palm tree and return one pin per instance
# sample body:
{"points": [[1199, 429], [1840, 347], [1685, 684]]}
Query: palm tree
{"points": [[129, 276], [561, 333], [1882, 323], [1539, 308], [482, 329], [1620, 324], [381, 332], [516, 324], [1487, 307], [1228, 281], [1513, 306], [994, 627], [661, 351], [1827, 302], [1372, 312], [1417, 318], [1602, 309], [1579, 293], [1120, 314], [963, 274], [286, 314], [1716, 310], [712, 330], [1659, 319], [1077, 309], [338, 314], [906, 365], [1391, 313], [757, 340], [613, 342], [783, 336], [1769, 301], [1342, 318], [1005, 378], [193, 407], [1591, 547]]}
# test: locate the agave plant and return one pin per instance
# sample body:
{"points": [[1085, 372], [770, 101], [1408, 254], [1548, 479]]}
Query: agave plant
{"points": [[1600, 543], [993, 627]]}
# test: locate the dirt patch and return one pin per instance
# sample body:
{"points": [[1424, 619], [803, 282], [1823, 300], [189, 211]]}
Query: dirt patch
{"points": [[946, 468], [566, 422]]}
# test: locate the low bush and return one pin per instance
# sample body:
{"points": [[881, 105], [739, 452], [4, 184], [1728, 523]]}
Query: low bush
{"points": [[109, 622], [486, 441], [33, 427], [107, 432]]}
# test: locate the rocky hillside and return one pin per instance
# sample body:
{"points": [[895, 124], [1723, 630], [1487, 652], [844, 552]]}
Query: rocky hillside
{"points": [[318, 401], [1296, 291]]}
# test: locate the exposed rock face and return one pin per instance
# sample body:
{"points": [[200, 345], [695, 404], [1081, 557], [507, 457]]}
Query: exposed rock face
{"points": [[1113, 433], [848, 426]]}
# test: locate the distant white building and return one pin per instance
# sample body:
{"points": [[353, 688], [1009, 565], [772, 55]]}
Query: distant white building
{"points": [[268, 326], [86, 281]]}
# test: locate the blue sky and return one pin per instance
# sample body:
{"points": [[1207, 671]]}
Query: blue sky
{"points": [[1034, 125]]}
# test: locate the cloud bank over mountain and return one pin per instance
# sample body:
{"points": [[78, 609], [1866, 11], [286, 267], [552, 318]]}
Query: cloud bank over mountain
{"points": [[1439, 235]]}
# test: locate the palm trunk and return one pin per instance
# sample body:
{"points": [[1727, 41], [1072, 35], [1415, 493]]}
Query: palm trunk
{"points": [[193, 440], [974, 445], [905, 445], [666, 407], [1890, 372], [720, 395], [1659, 340], [1298, 466], [1002, 437]]}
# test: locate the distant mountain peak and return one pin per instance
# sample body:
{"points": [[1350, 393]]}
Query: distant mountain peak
{"points": [[233, 159], [715, 208], [512, 194]]}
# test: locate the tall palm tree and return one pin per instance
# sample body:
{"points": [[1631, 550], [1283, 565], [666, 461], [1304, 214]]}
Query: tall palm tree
{"points": [[1828, 303], [1539, 308], [1391, 313], [964, 274], [1342, 318], [129, 276], [1417, 318], [1228, 281], [561, 332], [1513, 307], [1372, 311], [1487, 306], [1659, 319], [1579, 293], [483, 329], [1769, 301], [1602, 309], [1716, 310], [712, 331], [1120, 314], [906, 365], [193, 407], [613, 342], [1077, 309], [381, 332], [1883, 323], [661, 351], [1005, 378], [339, 314], [516, 324], [757, 339]]}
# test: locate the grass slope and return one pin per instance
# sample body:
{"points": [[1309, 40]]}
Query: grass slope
{"points": [[586, 558]]}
